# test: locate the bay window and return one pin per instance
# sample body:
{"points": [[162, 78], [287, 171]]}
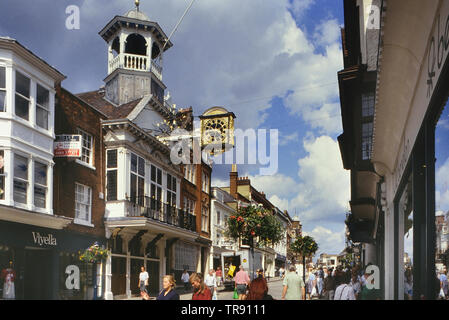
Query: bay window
{"points": [[111, 175], [83, 203], [40, 185], [137, 191], [22, 96], [2, 89], [20, 179], [42, 107]]}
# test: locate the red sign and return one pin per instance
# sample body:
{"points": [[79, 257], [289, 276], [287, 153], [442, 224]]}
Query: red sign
{"points": [[68, 146]]}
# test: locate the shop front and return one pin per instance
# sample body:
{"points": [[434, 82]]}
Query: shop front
{"points": [[43, 264]]}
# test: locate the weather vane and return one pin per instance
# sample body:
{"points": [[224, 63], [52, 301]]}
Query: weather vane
{"points": [[137, 2]]}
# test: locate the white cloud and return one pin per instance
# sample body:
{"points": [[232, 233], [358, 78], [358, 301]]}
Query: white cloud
{"points": [[329, 241], [278, 185], [286, 139], [325, 187], [300, 6]]}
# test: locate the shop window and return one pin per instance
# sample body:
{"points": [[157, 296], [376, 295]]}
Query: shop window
{"points": [[111, 179], [186, 257], [87, 147], [2, 89], [42, 107], [137, 189], [40, 185], [22, 104], [2, 175], [83, 203], [20, 179]]}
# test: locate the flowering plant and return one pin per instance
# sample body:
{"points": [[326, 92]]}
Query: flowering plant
{"points": [[254, 222], [94, 254]]}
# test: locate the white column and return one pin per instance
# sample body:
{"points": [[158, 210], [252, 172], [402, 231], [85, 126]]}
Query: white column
{"points": [[108, 280], [51, 117], [10, 88], [49, 204], [162, 260], [30, 189], [128, 271], [9, 176], [32, 112]]}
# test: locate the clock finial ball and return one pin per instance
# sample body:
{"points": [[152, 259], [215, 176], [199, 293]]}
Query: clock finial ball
{"points": [[137, 2]]}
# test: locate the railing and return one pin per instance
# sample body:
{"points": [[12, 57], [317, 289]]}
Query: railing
{"points": [[160, 211], [135, 62]]}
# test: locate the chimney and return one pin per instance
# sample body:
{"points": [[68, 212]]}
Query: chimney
{"points": [[233, 176]]}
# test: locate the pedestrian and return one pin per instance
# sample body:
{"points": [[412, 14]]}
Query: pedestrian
{"points": [[369, 293], [319, 283], [258, 288], [444, 283], [211, 281], [344, 291], [241, 281], [355, 283], [185, 278], [219, 276], [168, 292], [408, 285], [282, 272], [311, 284], [143, 282], [329, 286], [294, 287], [200, 290]]}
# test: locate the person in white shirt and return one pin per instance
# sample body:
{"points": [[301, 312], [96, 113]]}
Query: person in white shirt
{"points": [[143, 280], [211, 281], [344, 291], [185, 278]]}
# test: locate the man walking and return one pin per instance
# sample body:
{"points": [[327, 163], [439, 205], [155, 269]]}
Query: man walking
{"points": [[294, 287], [241, 280], [211, 281], [329, 286], [185, 278]]}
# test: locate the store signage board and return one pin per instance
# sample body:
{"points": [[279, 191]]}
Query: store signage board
{"points": [[67, 145]]}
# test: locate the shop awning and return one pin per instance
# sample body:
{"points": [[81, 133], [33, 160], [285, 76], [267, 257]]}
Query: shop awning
{"points": [[13, 214]]}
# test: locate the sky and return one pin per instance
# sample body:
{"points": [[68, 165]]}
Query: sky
{"points": [[273, 63]]}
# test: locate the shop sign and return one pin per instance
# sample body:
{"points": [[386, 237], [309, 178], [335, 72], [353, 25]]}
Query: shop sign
{"points": [[439, 48], [49, 240], [68, 145]]}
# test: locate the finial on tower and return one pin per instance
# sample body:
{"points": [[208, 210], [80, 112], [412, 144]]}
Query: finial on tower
{"points": [[137, 3]]}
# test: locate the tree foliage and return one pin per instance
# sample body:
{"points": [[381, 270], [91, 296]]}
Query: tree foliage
{"points": [[304, 246]]}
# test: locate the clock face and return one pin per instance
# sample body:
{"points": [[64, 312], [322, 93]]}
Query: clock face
{"points": [[215, 131]]}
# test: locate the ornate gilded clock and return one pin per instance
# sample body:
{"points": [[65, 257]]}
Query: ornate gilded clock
{"points": [[217, 129]]}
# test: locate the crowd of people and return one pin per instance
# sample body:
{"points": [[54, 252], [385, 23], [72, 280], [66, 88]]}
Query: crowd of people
{"points": [[323, 283]]}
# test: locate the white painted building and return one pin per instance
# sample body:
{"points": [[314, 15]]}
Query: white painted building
{"points": [[220, 211], [27, 106]]}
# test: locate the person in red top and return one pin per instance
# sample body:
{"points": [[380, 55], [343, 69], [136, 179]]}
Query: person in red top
{"points": [[200, 290], [218, 275]]}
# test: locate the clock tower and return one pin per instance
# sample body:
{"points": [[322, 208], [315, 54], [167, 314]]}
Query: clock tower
{"points": [[135, 54]]}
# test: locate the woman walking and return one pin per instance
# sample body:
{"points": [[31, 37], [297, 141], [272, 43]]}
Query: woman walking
{"points": [[143, 283], [311, 284], [200, 290], [168, 293], [258, 288]]}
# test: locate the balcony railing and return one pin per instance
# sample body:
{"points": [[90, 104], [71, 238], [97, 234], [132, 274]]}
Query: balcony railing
{"points": [[162, 212], [135, 62]]}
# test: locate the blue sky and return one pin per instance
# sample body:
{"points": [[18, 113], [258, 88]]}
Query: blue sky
{"points": [[273, 63]]}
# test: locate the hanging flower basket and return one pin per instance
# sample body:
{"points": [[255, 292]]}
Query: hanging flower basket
{"points": [[94, 254]]}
